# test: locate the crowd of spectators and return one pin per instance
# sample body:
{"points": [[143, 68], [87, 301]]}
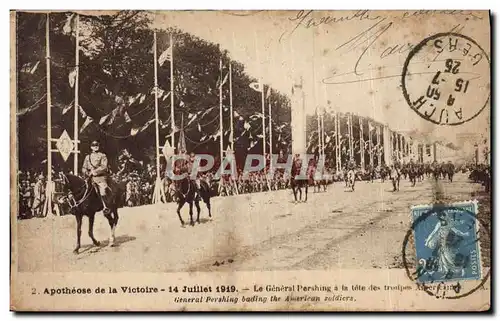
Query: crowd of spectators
{"points": [[139, 181]]}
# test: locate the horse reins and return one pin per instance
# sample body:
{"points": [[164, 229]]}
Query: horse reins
{"points": [[189, 189], [71, 199]]}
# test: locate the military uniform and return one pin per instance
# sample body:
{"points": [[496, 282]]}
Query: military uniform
{"points": [[95, 165]]}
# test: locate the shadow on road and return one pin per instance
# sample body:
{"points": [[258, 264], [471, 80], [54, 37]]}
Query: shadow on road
{"points": [[119, 240]]}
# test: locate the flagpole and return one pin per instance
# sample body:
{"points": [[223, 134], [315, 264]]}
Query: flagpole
{"points": [[172, 120], [361, 143], [156, 197], [335, 134], [270, 131], [379, 152], [220, 113], [318, 121], [231, 104], [261, 86], [48, 201], [323, 134], [339, 143], [351, 145], [263, 120], [370, 144], [77, 67]]}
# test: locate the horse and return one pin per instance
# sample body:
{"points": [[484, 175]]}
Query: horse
{"points": [[187, 192], [319, 179], [297, 183], [84, 199]]}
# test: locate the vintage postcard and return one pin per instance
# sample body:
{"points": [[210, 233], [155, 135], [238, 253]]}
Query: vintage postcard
{"points": [[250, 160]]}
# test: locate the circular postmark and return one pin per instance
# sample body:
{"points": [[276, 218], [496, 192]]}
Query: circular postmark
{"points": [[446, 259], [446, 79]]}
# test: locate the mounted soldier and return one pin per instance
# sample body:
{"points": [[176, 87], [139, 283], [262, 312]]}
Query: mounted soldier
{"points": [[95, 166]]}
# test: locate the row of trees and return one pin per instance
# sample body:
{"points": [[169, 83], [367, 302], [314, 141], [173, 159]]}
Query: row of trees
{"points": [[116, 79]]}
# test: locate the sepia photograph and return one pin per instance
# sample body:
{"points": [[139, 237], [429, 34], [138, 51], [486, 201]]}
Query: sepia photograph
{"points": [[250, 160]]}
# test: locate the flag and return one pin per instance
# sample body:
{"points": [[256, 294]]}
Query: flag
{"points": [[327, 140], [252, 144], [192, 118], [84, 114], [136, 130], [68, 26], [370, 126], [72, 78], [87, 122], [29, 68], [160, 92], [32, 71], [103, 119], [268, 94], [127, 117], [181, 145], [256, 86], [223, 81], [207, 111], [112, 117], [166, 55], [143, 97], [67, 108]]}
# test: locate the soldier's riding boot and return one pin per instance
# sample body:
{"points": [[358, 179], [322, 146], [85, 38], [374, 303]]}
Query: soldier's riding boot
{"points": [[106, 202], [197, 187]]}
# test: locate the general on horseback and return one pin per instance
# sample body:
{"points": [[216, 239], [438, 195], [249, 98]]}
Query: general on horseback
{"points": [[91, 194], [95, 166]]}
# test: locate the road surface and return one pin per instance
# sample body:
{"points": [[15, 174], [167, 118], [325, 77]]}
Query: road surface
{"points": [[250, 232]]}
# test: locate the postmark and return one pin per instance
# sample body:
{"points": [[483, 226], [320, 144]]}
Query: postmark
{"points": [[446, 244], [445, 79]]}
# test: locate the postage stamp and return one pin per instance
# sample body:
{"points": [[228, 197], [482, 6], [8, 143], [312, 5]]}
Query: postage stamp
{"points": [[447, 242]]}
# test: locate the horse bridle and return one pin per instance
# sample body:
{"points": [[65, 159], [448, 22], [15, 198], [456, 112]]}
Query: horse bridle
{"points": [[72, 202], [178, 187]]}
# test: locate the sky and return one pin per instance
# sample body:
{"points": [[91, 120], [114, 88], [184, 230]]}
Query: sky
{"points": [[349, 61]]}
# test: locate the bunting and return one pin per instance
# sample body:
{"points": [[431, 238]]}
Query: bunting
{"points": [[87, 122], [70, 24], [103, 119], [135, 131], [29, 69], [72, 78], [82, 112], [67, 108], [181, 144]]}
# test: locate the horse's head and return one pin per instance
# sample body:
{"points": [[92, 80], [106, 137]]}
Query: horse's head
{"points": [[72, 187]]}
